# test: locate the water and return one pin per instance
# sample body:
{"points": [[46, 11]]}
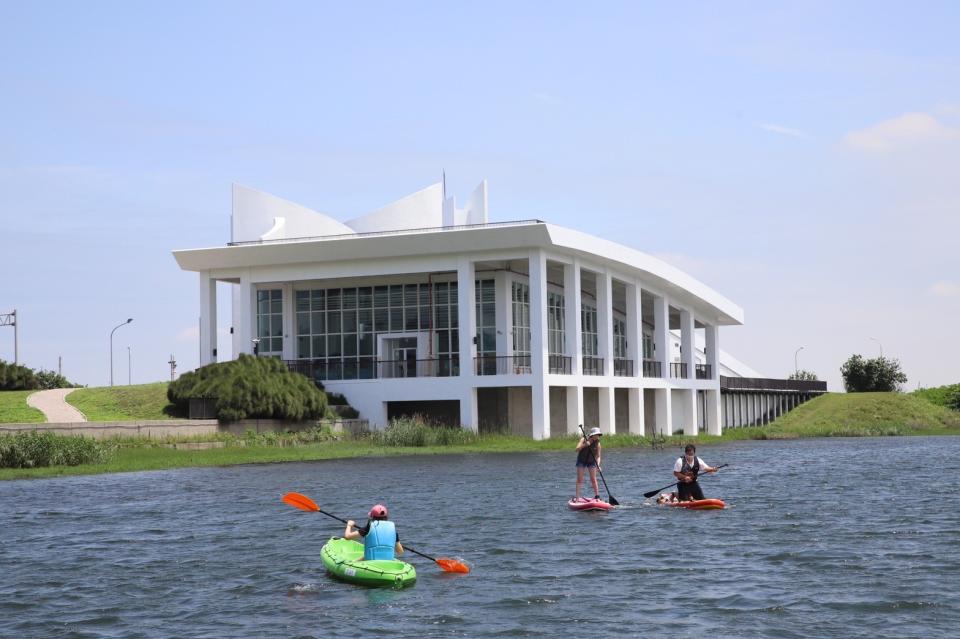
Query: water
{"points": [[824, 538]]}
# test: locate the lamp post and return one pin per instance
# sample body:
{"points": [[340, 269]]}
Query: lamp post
{"points": [[796, 368], [880, 345], [111, 346]]}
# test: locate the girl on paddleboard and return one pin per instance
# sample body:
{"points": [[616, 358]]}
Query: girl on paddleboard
{"points": [[588, 456]]}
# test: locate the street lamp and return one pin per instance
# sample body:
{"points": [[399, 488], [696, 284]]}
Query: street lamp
{"points": [[796, 368], [880, 345], [111, 346]]}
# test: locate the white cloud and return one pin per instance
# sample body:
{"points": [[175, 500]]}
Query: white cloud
{"points": [[945, 288], [905, 130], [782, 130]]}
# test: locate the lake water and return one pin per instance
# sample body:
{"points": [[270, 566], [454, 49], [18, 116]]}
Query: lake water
{"points": [[824, 538]]}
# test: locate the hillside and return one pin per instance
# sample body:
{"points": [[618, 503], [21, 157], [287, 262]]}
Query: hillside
{"points": [[122, 403]]}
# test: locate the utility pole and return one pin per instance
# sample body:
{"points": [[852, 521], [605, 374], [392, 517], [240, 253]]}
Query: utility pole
{"points": [[10, 319], [173, 366], [128, 365]]}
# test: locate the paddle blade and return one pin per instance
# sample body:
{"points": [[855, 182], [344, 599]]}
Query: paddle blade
{"points": [[651, 493], [452, 565], [612, 500], [301, 501]]}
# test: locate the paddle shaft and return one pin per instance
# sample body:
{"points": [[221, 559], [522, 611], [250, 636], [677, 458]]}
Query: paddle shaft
{"points": [[416, 552], [610, 498], [654, 492]]}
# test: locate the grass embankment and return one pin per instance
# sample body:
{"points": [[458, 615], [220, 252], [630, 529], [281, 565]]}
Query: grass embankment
{"points": [[857, 415], [14, 409], [122, 403]]}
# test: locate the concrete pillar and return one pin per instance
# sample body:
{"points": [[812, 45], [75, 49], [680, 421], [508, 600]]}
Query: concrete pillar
{"points": [[574, 409], [712, 344], [608, 413], [248, 313], [661, 334], [208, 319], [634, 333], [605, 323], [538, 343], [713, 417], [571, 320], [504, 311], [468, 410], [635, 411], [467, 315], [289, 322], [664, 410], [689, 399], [687, 342]]}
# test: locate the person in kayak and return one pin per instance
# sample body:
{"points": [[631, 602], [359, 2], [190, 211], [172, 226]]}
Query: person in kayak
{"points": [[380, 538], [686, 470], [588, 456]]}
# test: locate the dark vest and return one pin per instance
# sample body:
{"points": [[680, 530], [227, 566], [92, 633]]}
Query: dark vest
{"points": [[587, 454], [687, 469]]}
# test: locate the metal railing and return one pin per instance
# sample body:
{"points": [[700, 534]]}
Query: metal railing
{"points": [[592, 365], [622, 367], [559, 364], [704, 371], [678, 370], [766, 384], [446, 367], [652, 368], [321, 370], [426, 229], [502, 365]]}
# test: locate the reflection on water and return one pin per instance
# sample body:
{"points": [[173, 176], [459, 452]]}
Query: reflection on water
{"points": [[824, 538]]}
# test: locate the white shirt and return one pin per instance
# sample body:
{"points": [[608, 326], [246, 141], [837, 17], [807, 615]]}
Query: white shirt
{"points": [[679, 464]]}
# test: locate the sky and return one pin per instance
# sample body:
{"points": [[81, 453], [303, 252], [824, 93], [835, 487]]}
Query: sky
{"points": [[802, 159]]}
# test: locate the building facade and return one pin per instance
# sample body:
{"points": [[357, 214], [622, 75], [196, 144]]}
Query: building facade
{"points": [[424, 307]]}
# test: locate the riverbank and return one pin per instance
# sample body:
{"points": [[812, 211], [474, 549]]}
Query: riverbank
{"points": [[860, 415]]}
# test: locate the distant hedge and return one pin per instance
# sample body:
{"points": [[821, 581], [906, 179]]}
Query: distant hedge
{"points": [[34, 450], [948, 396], [250, 387], [16, 377]]}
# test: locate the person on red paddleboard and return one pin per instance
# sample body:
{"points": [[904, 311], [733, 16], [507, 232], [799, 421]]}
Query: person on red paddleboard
{"points": [[686, 470], [588, 456]]}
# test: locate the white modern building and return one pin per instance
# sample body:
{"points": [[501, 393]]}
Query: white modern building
{"points": [[425, 307]]}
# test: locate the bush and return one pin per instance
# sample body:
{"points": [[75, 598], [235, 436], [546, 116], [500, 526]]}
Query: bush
{"points": [[250, 387], [948, 396], [803, 375], [33, 450], [49, 379], [16, 377], [872, 375], [417, 431]]}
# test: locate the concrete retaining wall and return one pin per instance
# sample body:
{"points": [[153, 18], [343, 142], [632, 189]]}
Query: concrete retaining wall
{"points": [[159, 429]]}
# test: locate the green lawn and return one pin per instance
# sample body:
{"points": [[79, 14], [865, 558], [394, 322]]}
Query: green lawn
{"points": [[121, 403], [14, 409]]}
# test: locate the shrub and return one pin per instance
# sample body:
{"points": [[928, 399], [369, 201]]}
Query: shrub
{"points": [[33, 450], [948, 396], [417, 431], [803, 375], [872, 375], [16, 377], [250, 387]]}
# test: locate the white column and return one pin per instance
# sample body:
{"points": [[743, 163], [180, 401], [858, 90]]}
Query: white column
{"points": [[712, 335], [661, 334], [634, 331], [664, 411], [289, 319], [713, 413], [571, 320], [208, 319], [636, 419], [608, 415], [503, 285], [248, 313], [686, 343], [689, 399], [540, 394], [605, 324], [467, 315], [468, 410], [574, 409]]}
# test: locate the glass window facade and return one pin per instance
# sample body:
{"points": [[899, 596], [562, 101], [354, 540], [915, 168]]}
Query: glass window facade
{"points": [[619, 338], [556, 322], [588, 323], [521, 318], [486, 318], [270, 321]]}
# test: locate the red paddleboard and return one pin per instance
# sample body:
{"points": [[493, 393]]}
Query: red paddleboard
{"points": [[581, 503], [700, 504]]}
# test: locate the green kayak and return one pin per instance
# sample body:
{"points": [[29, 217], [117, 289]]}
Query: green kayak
{"points": [[344, 559]]}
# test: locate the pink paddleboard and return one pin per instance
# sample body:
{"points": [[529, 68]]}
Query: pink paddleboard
{"points": [[582, 503]]}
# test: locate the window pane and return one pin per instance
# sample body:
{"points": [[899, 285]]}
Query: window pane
{"points": [[303, 323], [381, 323], [319, 325], [453, 293], [333, 321], [277, 326], [440, 292], [454, 341], [303, 348], [381, 295], [350, 344], [364, 320], [319, 346], [489, 315], [410, 318], [349, 298], [396, 295], [303, 301], [366, 344], [263, 305], [396, 320], [410, 295], [277, 344], [349, 321], [263, 326], [442, 317], [333, 299], [364, 297], [443, 342], [263, 296], [333, 346], [319, 299], [424, 295]]}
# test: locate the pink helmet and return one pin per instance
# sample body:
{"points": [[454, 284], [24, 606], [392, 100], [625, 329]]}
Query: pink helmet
{"points": [[378, 512]]}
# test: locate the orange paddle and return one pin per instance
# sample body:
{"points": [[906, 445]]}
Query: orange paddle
{"points": [[305, 503]]}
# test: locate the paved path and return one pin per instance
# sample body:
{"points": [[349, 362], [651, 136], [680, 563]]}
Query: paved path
{"points": [[53, 404]]}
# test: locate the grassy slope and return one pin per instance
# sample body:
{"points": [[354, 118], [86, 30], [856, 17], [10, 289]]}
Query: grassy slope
{"points": [[121, 403], [858, 415], [14, 409]]}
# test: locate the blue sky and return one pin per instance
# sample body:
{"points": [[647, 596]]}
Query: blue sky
{"points": [[801, 158]]}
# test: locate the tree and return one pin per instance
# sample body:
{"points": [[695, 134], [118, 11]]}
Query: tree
{"points": [[880, 374], [953, 397], [803, 375]]}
